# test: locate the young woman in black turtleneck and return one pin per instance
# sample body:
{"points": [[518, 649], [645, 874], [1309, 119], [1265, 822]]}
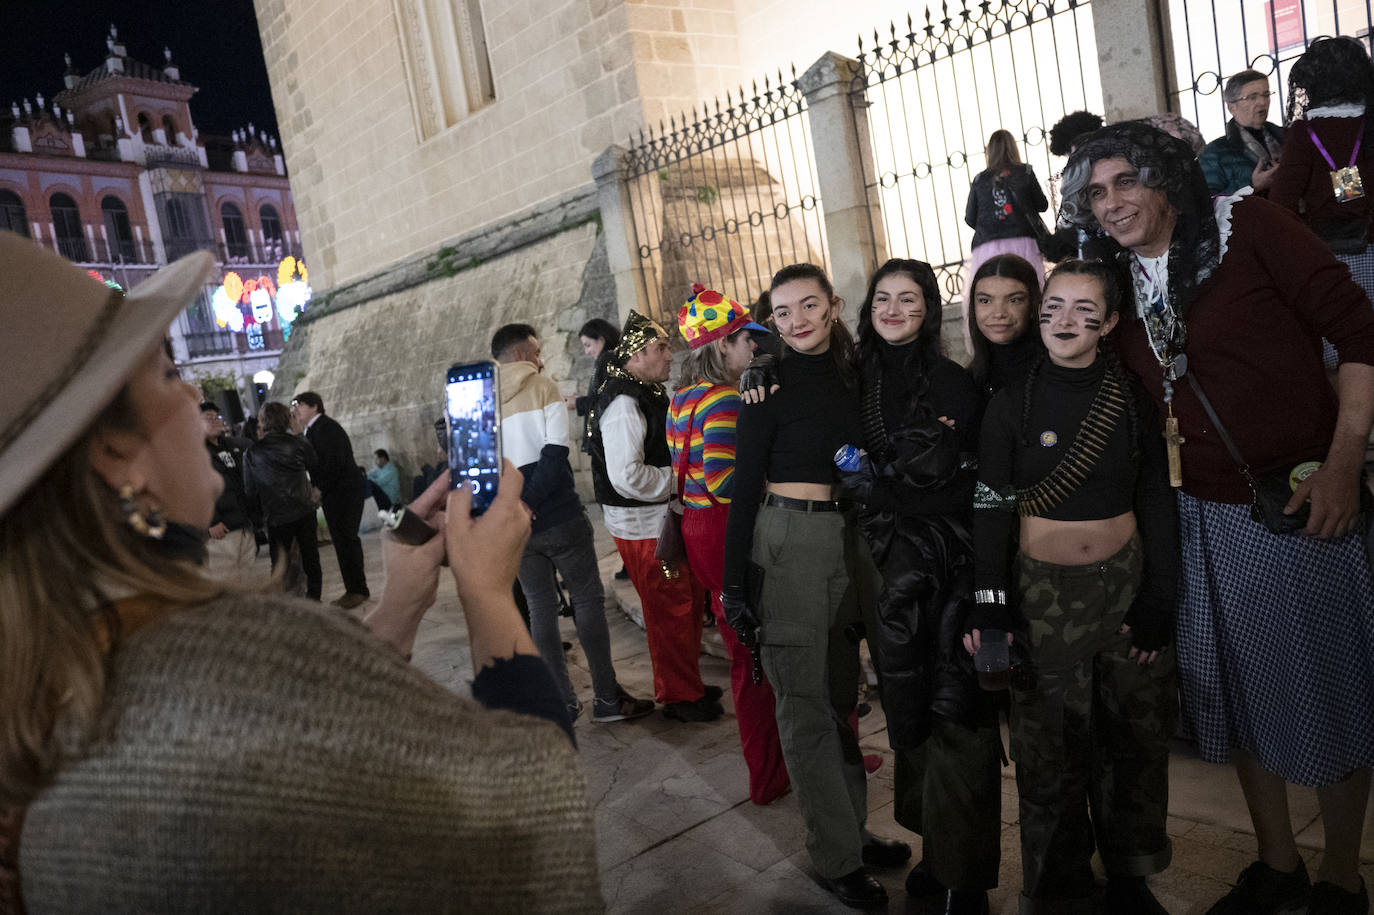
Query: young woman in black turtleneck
{"points": [[919, 414], [1004, 298], [802, 615], [1075, 452]]}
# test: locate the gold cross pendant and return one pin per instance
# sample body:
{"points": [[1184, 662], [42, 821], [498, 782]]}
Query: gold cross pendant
{"points": [[1173, 440]]}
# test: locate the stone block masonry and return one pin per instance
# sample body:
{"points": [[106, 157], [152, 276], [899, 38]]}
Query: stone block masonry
{"points": [[376, 349]]}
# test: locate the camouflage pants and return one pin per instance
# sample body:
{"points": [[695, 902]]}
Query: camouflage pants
{"points": [[1090, 736]]}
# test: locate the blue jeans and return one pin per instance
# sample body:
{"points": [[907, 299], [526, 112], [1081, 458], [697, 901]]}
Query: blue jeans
{"points": [[569, 549]]}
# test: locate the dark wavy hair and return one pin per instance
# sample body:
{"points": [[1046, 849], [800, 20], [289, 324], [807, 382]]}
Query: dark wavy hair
{"points": [[841, 342], [928, 337], [1333, 71], [603, 330], [1006, 266]]}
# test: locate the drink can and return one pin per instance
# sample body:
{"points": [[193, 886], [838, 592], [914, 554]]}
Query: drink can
{"points": [[847, 458]]}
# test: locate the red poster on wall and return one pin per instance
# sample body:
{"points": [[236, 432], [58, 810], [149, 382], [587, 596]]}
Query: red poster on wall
{"points": [[1283, 23]]}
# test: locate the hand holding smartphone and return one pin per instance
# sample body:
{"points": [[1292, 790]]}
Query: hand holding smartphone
{"points": [[472, 410]]}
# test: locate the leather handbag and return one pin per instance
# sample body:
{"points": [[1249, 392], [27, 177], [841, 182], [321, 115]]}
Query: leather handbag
{"points": [[671, 547], [1271, 491]]}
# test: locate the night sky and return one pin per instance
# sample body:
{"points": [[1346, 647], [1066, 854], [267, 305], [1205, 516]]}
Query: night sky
{"points": [[214, 42]]}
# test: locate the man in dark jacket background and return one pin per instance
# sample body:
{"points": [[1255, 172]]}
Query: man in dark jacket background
{"points": [[232, 545], [341, 484], [1249, 152], [276, 477]]}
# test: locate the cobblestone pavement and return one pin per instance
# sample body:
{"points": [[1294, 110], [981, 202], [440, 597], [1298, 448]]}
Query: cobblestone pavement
{"points": [[676, 830]]}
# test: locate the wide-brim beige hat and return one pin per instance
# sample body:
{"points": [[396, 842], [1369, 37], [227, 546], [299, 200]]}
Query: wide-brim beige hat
{"points": [[68, 345]]}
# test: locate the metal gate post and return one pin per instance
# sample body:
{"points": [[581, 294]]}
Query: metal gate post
{"points": [[621, 241], [840, 141]]}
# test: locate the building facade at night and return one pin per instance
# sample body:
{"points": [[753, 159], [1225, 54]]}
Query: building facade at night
{"points": [[111, 172]]}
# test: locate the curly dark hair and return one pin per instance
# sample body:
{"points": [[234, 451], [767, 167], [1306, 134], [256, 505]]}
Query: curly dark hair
{"points": [[1066, 131]]}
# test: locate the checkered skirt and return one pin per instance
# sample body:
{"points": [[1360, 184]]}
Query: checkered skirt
{"points": [[1362, 271], [1276, 644]]}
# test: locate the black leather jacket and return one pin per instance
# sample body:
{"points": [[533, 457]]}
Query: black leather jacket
{"points": [[275, 476], [915, 512]]}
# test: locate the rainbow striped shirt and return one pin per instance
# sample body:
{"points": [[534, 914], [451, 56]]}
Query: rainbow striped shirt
{"points": [[709, 445]]}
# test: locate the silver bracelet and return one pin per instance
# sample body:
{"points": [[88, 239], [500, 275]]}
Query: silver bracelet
{"points": [[990, 596]]}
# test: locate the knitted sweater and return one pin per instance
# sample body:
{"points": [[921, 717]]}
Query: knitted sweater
{"points": [[261, 754], [708, 446]]}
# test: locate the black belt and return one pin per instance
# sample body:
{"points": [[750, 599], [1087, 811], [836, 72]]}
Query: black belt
{"points": [[801, 505]]}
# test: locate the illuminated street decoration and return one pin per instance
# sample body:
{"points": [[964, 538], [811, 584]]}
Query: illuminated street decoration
{"points": [[95, 275], [240, 304]]}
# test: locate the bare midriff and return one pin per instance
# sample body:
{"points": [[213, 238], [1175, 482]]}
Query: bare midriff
{"points": [[1075, 543], [816, 492]]}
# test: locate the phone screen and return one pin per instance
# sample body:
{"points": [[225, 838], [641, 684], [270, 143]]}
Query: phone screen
{"points": [[472, 408]]}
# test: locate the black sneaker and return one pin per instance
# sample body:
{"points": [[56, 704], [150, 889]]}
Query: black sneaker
{"points": [[623, 708], [1131, 896], [1261, 890], [1329, 899], [700, 710], [712, 693]]}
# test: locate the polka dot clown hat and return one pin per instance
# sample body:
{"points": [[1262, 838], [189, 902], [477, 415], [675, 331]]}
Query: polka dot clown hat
{"points": [[708, 316]]}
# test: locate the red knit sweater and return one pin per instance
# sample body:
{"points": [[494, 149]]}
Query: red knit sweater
{"points": [[1254, 345]]}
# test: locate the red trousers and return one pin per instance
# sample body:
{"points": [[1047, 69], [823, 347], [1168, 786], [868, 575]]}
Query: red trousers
{"points": [[672, 622], [703, 531]]}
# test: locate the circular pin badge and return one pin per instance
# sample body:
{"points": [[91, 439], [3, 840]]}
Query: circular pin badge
{"points": [[1302, 472], [1048, 438]]}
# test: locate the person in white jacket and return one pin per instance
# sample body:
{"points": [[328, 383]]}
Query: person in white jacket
{"points": [[534, 435]]}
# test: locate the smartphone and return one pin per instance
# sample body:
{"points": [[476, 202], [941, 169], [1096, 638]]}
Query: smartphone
{"points": [[472, 410]]}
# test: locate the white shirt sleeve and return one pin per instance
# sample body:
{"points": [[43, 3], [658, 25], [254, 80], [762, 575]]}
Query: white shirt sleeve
{"points": [[556, 424], [622, 435]]}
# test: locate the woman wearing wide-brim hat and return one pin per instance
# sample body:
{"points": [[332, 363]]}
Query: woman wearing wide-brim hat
{"points": [[168, 744]]}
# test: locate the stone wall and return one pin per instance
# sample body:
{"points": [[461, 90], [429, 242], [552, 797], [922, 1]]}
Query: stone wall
{"points": [[570, 77], [376, 350]]}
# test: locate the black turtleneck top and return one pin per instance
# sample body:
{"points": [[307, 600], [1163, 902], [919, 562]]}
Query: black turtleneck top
{"points": [[1011, 457], [1009, 363], [791, 437]]}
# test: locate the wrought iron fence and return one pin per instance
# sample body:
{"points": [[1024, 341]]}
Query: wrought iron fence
{"points": [[934, 92], [725, 198], [1214, 41]]}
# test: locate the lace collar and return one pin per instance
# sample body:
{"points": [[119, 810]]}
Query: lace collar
{"points": [[1342, 110]]}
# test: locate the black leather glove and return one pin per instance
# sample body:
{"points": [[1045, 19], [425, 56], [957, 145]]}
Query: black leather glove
{"points": [[739, 615], [983, 616], [762, 372], [1152, 627]]}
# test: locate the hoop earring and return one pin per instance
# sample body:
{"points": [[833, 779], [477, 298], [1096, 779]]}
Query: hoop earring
{"points": [[152, 525]]}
